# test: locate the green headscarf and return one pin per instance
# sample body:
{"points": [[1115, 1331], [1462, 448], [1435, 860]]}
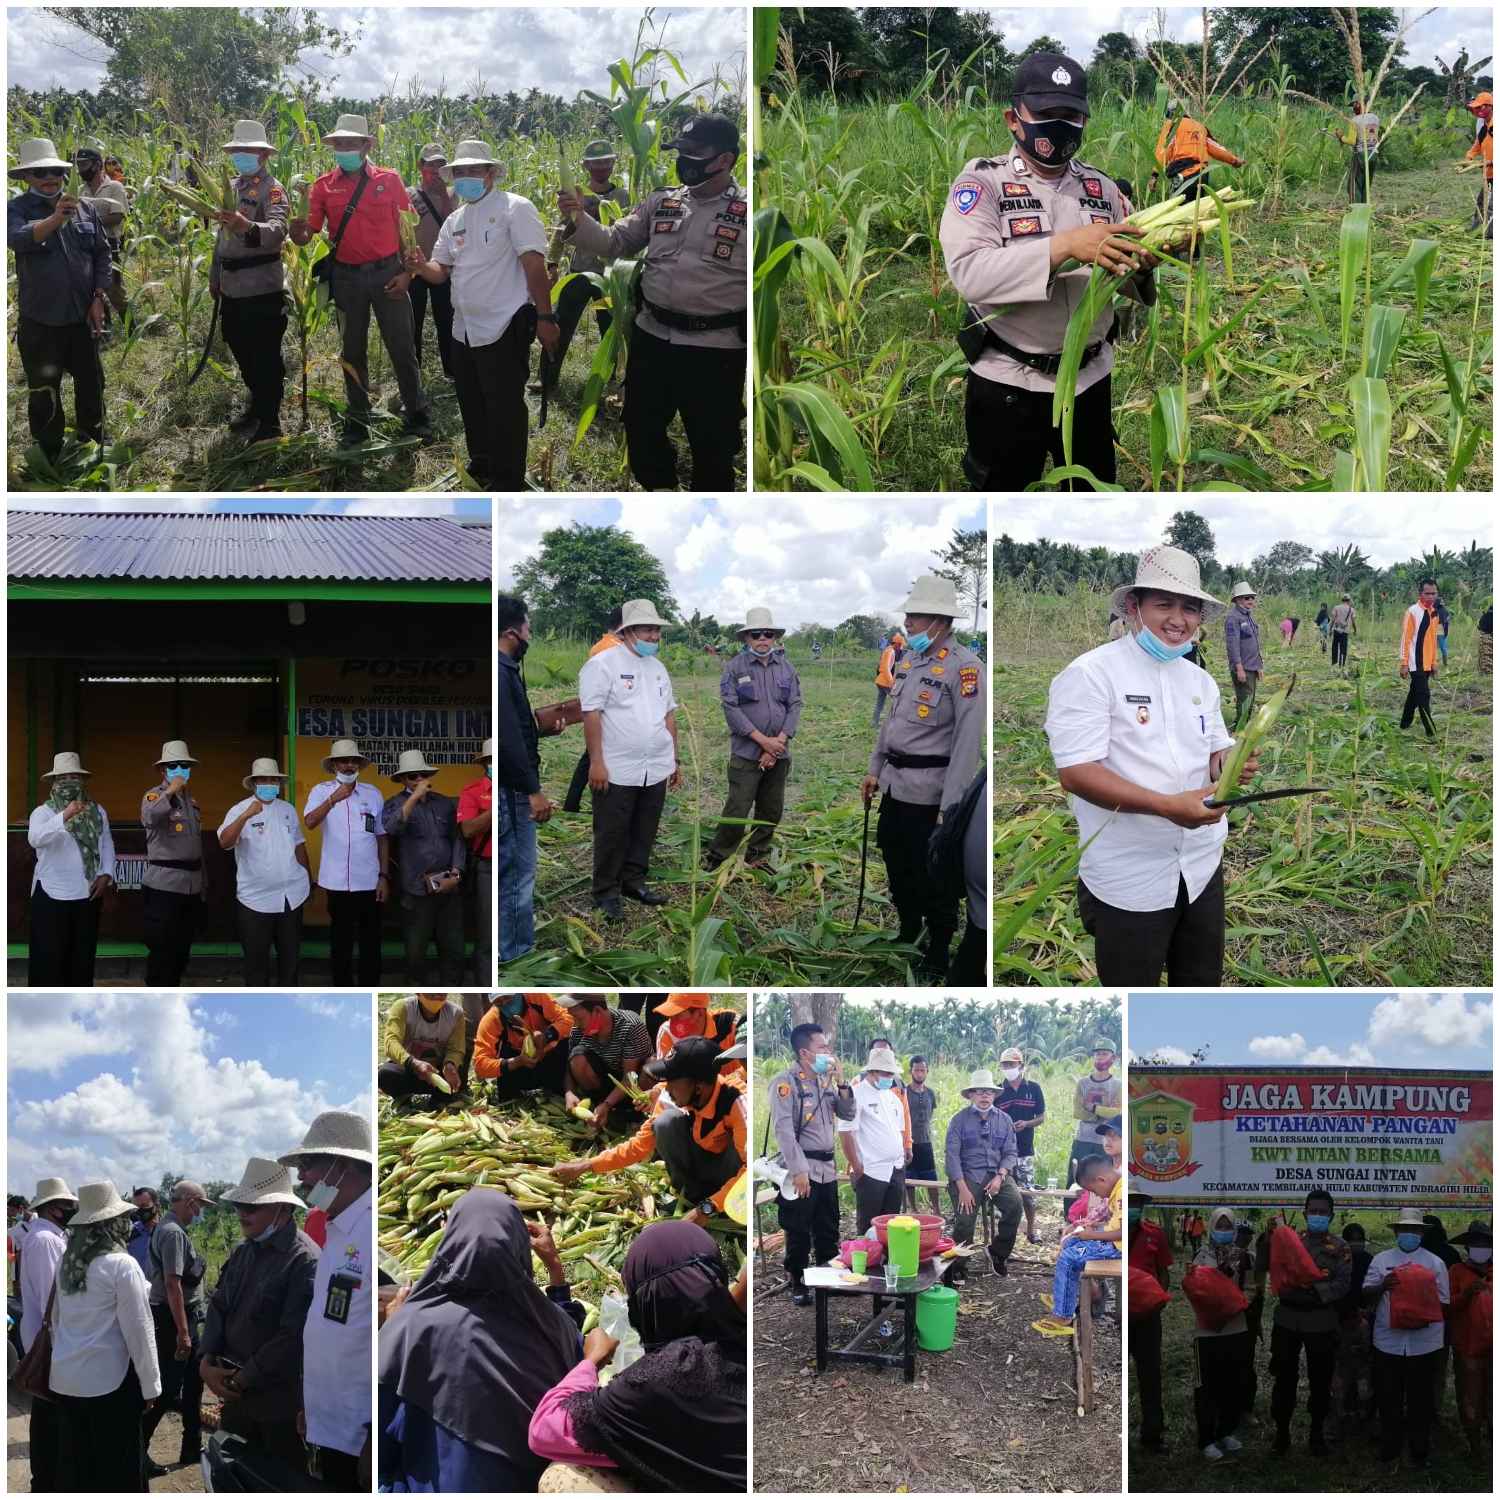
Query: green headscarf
{"points": [[88, 1242], [87, 828]]}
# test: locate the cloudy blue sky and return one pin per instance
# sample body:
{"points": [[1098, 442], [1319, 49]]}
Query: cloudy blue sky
{"points": [[814, 558], [1413, 1029], [125, 1086], [557, 48]]}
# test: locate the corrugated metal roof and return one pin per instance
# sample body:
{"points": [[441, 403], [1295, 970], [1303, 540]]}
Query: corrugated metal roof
{"points": [[51, 544]]}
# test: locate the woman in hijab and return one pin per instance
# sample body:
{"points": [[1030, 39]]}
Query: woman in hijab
{"points": [[75, 866], [466, 1358], [1222, 1356], [676, 1418]]}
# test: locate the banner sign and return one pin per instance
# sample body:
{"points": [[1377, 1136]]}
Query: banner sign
{"points": [[1373, 1137]]}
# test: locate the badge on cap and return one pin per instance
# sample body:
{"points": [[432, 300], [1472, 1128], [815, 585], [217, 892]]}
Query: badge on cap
{"points": [[1061, 75], [966, 194]]}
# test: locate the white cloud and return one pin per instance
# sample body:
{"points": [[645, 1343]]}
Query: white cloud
{"points": [[1431, 1020], [1358, 1056], [1173, 1057], [1281, 1048]]}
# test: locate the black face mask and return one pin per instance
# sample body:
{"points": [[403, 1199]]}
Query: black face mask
{"points": [[691, 170], [522, 647], [1051, 142]]}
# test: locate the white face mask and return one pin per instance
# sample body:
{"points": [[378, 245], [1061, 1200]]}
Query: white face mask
{"points": [[1478, 1256], [1011, 1073], [322, 1194]]}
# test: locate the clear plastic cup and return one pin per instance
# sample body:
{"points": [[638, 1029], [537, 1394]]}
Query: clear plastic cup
{"points": [[892, 1275]]}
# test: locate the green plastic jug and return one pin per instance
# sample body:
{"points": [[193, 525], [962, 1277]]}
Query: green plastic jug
{"points": [[904, 1239], [937, 1318]]}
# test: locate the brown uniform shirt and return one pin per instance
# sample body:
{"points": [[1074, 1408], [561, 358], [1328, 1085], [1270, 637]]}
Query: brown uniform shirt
{"points": [[173, 832], [937, 708], [263, 202]]}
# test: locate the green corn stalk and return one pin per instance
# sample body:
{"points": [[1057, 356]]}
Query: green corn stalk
{"points": [[1259, 727]]}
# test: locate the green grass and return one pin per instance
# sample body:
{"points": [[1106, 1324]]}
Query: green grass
{"points": [[1354, 1439], [786, 923], [1386, 880], [1272, 396]]}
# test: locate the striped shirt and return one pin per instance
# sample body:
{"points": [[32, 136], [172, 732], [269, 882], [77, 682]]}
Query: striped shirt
{"points": [[628, 1039]]}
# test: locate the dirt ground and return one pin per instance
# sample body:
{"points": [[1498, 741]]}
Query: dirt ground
{"points": [[166, 1443], [997, 1412]]}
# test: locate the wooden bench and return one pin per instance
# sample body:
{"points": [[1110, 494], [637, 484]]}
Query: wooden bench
{"points": [[1083, 1327]]}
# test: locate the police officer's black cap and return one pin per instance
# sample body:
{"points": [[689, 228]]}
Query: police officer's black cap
{"points": [[89, 151], [1047, 80], [715, 130], [695, 1057]]}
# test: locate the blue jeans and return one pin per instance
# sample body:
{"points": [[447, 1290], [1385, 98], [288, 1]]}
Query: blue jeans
{"points": [[515, 874], [1070, 1262], [1443, 647]]}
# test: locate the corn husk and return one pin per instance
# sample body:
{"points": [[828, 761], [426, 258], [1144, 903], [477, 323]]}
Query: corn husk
{"points": [[406, 226], [566, 183], [440, 1083], [528, 1046], [1259, 727], [301, 191]]}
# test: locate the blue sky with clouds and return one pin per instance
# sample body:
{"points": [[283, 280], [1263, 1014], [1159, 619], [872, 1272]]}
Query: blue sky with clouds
{"points": [[124, 1086], [1410, 1029]]}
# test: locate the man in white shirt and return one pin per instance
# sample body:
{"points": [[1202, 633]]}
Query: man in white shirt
{"points": [[874, 1141], [1138, 739], [41, 1254], [75, 866], [271, 874], [354, 863], [1403, 1358], [335, 1163], [494, 249], [630, 729]]}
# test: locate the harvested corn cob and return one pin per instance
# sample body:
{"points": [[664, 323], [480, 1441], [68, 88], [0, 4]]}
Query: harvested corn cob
{"points": [[1258, 728]]}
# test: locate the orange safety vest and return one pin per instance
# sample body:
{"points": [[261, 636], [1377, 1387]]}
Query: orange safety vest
{"points": [[884, 677], [1191, 147]]}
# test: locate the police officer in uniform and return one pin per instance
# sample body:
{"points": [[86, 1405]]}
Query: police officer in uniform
{"points": [[174, 882], [1009, 224], [688, 350], [924, 759], [245, 275], [805, 1098]]}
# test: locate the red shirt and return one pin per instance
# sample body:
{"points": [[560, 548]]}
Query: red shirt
{"points": [[1149, 1248], [473, 800], [372, 233]]}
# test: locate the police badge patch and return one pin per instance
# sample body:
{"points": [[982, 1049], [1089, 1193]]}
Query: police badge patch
{"points": [[1025, 226], [1015, 190], [1092, 186], [966, 194], [1100, 219], [968, 678], [783, 1090]]}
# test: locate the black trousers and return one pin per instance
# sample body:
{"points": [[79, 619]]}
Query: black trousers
{"points": [[64, 935], [440, 295], [901, 833], [45, 1441], [398, 1082], [180, 1381], [1133, 947], [102, 1450], [433, 921], [1011, 434], [625, 822], [1286, 1349], [873, 1198], [578, 785], [1145, 1350], [967, 969], [1403, 1397], [278, 1438], [549, 1074], [811, 1225], [1218, 1383], [570, 305], [1358, 174], [47, 354], [258, 930], [1419, 701], [706, 387], [354, 915], [1340, 648], [694, 1172], [491, 386], [340, 1471], [254, 328], [170, 920]]}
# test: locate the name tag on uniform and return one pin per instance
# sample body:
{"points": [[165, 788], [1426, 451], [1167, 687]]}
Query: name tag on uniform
{"points": [[1137, 697], [341, 1290]]}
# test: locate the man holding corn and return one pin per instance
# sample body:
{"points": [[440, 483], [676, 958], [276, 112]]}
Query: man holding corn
{"points": [[245, 276], [1010, 224], [1138, 739]]}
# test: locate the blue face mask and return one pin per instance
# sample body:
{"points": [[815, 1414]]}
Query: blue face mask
{"points": [[821, 1061], [268, 1231], [919, 643], [1409, 1242], [885, 1083], [470, 189], [348, 160], [1221, 1236], [183, 771], [197, 1217], [761, 651], [648, 648], [1158, 648], [1318, 1223], [245, 162], [346, 777], [268, 793], [489, 770]]}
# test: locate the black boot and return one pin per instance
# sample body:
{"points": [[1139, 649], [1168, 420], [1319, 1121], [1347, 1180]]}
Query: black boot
{"points": [[801, 1296], [934, 963], [1317, 1444], [1283, 1443], [911, 926]]}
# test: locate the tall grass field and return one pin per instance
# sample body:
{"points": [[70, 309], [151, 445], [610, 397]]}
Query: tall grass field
{"points": [[1332, 347], [1385, 879], [787, 922]]}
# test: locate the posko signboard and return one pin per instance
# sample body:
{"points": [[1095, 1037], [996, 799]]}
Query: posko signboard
{"points": [[1373, 1137]]}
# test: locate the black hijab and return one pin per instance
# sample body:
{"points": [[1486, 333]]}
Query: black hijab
{"points": [[676, 1419], [477, 1344], [1435, 1239]]}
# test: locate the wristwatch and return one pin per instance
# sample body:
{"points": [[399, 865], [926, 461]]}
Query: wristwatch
{"points": [[542, 317], [708, 1207], [230, 1383]]}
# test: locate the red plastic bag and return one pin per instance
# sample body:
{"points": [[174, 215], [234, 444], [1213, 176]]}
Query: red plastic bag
{"points": [[1414, 1299], [1215, 1298], [1291, 1265], [1145, 1294], [1482, 1323]]}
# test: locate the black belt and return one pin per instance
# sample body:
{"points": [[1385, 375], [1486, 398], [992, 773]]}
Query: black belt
{"points": [[365, 265], [818, 1155], [1044, 364], [248, 262], [692, 322], [176, 864], [904, 762]]}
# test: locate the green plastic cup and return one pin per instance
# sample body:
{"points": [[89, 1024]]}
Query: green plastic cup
{"points": [[858, 1260]]}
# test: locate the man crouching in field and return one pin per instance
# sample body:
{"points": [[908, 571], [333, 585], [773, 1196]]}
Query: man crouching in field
{"points": [[1138, 739]]}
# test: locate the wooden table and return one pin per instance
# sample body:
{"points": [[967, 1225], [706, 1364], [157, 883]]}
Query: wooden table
{"points": [[903, 1295], [1083, 1328]]}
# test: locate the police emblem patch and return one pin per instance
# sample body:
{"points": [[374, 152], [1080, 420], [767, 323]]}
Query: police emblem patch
{"points": [[664, 226], [968, 678], [942, 654], [783, 1090], [1143, 715], [1042, 146], [724, 232], [923, 710], [737, 209], [723, 252], [1100, 219], [966, 194], [276, 195], [1025, 226], [1092, 186], [938, 671], [1015, 190], [152, 796]]}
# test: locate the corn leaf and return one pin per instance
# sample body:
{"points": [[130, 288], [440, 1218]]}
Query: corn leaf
{"points": [[1421, 257], [1169, 431], [1261, 724], [1354, 246], [1372, 429], [1385, 335], [835, 441]]}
